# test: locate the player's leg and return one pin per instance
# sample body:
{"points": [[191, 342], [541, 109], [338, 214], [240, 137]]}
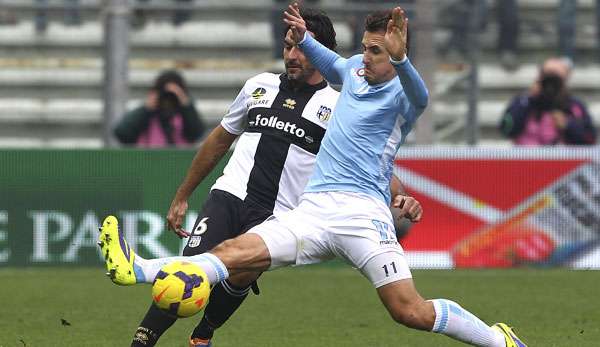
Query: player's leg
{"points": [[278, 247], [247, 252], [443, 316], [217, 221], [267, 246], [390, 275], [244, 253], [225, 298], [365, 234], [152, 326]]}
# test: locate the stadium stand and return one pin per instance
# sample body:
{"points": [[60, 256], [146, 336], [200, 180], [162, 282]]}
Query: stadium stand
{"points": [[51, 84]]}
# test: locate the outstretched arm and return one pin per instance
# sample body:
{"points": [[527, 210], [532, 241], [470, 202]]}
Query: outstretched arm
{"points": [[329, 63], [395, 43], [207, 157]]}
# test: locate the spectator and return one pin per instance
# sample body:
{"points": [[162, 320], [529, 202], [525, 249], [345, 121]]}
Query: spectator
{"points": [[71, 14], [465, 16], [168, 117], [508, 33], [567, 13], [548, 114]]}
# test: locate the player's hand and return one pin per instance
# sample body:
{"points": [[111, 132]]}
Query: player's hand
{"points": [[174, 88], [293, 18], [175, 217], [395, 34], [409, 207]]}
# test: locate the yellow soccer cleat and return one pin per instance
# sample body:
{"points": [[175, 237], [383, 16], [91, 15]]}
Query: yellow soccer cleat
{"points": [[117, 254], [509, 335]]}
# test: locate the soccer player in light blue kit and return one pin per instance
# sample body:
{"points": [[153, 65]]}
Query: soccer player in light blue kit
{"points": [[344, 210]]}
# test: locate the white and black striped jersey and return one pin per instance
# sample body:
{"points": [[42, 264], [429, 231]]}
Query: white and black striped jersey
{"points": [[281, 130]]}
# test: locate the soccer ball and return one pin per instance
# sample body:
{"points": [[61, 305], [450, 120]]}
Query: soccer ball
{"points": [[181, 289]]}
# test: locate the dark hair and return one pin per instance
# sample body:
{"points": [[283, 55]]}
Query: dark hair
{"points": [[319, 24], [377, 21], [169, 76]]}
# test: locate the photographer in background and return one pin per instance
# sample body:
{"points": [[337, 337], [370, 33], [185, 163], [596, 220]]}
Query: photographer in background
{"points": [[548, 114], [167, 118]]}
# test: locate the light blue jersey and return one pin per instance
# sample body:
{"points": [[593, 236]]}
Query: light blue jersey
{"points": [[368, 124]]}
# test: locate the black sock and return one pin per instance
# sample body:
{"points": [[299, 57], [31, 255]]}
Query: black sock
{"points": [[225, 299], [154, 324]]}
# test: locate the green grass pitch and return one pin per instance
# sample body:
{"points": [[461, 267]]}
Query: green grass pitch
{"points": [[313, 306]]}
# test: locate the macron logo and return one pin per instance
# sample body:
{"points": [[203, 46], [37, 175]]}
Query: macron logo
{"points": [[274, 122]]}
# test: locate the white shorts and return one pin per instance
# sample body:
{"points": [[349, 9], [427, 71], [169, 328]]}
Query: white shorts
{"points": [[354, 227]]}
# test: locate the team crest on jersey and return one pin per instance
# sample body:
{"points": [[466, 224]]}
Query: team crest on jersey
{"points": [[258, 93], [194, 241], [324, 113], [289, 103]]}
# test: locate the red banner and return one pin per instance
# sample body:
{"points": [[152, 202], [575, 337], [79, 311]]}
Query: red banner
{"points": [[521, 209]]}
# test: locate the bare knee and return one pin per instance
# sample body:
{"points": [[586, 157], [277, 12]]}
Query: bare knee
{"points": [[419, 315]]}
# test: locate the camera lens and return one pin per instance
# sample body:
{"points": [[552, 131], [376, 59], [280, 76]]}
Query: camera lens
{"points": [[551, 85]]}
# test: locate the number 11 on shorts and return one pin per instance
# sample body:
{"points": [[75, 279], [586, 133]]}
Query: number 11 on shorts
{"points": [[392, 266]]}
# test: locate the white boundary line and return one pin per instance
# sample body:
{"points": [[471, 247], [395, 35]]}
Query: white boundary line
{"points": [[516, 153], [444, 194]]}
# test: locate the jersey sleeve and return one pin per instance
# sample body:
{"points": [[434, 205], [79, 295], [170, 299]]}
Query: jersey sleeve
{"points": [[236, 119], [413, 85], [329, 63]]}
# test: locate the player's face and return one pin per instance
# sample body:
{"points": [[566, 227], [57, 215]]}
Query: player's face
{"points": [[297, 66], [376, 59]]}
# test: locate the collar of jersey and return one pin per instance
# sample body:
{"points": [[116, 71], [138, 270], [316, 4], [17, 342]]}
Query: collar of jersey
{"points": [[307, 88]]}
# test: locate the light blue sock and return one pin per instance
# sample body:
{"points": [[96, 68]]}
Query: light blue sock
{"points": [[454, 321], [147, 269]]}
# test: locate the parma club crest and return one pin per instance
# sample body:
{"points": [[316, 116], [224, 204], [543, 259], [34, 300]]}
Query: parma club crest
{"points": [[324, 113]]}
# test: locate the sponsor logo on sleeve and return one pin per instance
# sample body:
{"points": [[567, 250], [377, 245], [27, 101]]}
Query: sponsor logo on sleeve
{"points": [[258, 93]]}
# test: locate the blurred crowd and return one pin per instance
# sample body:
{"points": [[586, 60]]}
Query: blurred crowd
{"points": [[547, 113], [462, 13]]}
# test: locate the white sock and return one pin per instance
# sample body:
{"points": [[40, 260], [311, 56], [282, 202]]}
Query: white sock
{"points": [[454, 321], [147, 269]]}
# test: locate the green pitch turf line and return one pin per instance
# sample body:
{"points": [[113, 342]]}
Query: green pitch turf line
{"points": [[312, 306]]}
